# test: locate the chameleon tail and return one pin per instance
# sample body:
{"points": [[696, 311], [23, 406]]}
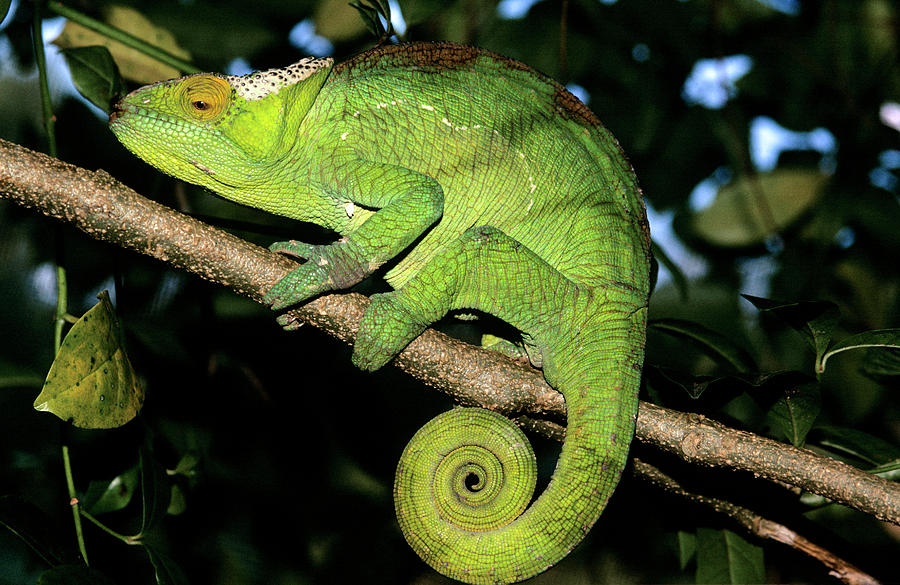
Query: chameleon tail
{"points": [[464, 482]]}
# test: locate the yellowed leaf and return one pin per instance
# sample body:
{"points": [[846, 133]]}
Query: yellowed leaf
{"points": [[336, 20], [91, 381], [747, 211], [133, 64]]}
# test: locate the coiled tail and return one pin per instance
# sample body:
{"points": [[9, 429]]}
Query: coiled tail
{"points": [[464, 482]]}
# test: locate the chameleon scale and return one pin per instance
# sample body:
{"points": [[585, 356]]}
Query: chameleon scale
{"points": [[496, 190]]}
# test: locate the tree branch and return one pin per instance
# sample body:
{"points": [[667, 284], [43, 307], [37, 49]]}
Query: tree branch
{"points": [[108, 211], [758, 526]]}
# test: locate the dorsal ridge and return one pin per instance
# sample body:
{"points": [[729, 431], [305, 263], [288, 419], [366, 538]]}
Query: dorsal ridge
{"points": [[255, 86]]}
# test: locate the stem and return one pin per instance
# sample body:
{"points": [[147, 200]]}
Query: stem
{"points": [[61, 280], [62, 301], [126, 539], [37, 37], [123, 37], [76, 511]]}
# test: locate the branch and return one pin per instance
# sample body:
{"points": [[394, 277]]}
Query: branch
{"points": [[108, 211], [758, 526]]}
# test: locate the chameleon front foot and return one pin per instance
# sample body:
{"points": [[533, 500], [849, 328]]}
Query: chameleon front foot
{"points": [[300, 284], [329, 267]]}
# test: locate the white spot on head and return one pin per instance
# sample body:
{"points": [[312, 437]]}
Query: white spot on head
{"points": [[258, 85], [349, 208]]}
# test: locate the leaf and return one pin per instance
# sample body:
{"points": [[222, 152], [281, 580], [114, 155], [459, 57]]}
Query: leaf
{"points": [[155, 492], [167, 572], [717, 345], [336, 20], [886, 338], [815, 320], [73, 575], [95, 75], [863, 446], [796, 411], [678, 277], [4, 9], [879, 363], [18, 376], [687, 548], [376, 14], [133, 64], [33, 526], [91, 381], [748, 210], [725, 557], [110, 496], [694, 386], [418, 11]]}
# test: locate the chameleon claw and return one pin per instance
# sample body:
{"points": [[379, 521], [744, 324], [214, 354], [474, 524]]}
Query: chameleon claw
{"points": [[288, 322], [292, 248]]}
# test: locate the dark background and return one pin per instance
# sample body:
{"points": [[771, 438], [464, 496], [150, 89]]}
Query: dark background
{"points": [[289, 452]]}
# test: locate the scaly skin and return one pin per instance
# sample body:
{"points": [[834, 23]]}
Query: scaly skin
{"points": [[519, 203]]}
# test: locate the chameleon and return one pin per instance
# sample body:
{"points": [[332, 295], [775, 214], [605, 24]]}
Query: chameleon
{"points": [[484, 187]]}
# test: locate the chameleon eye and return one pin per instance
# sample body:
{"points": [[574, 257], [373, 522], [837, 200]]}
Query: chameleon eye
{"points": [[205, 97]]}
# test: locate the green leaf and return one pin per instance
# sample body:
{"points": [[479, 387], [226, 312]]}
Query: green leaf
{"points": [[16, 376], [418, 11], [694, 386], [347, 475], [133, 64], [815, 320], [750, 209], [91, 381], [110, 496], [885, 338], [863, 446], [95, 75], [796, 411], [156, 492], [687, 548], [376, 14], [167, 572], [35, 528], [338, 20], [4, 8], [678, 277], [878, 363], [719, 347], [725, 557], [73, 575]]}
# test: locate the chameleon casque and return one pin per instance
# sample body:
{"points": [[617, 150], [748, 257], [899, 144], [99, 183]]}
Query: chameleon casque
{"points": [[493, 189]]}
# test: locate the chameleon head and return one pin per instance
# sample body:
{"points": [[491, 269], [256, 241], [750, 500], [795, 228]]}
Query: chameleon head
{"points": [[218, 131]]}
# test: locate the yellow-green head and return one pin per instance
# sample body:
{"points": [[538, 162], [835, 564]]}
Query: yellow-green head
{"points": [[215, 130]]}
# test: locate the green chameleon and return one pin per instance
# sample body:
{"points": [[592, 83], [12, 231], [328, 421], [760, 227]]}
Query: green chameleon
{"points": [[492, 189]]}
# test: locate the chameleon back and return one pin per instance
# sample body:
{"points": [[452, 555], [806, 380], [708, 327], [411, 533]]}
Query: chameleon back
{"points": [[510, 147]]}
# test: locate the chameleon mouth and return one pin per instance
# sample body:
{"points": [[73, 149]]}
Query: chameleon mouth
{"points": [[117, 111]]}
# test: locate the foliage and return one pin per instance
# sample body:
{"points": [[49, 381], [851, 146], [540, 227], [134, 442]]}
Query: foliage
{"points": [[260, 456]]}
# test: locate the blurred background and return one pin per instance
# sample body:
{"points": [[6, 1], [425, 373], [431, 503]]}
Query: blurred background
{"points": [[766, 137]]}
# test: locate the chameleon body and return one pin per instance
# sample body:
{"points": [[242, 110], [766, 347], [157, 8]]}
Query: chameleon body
{"points": [[492, 189]]}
